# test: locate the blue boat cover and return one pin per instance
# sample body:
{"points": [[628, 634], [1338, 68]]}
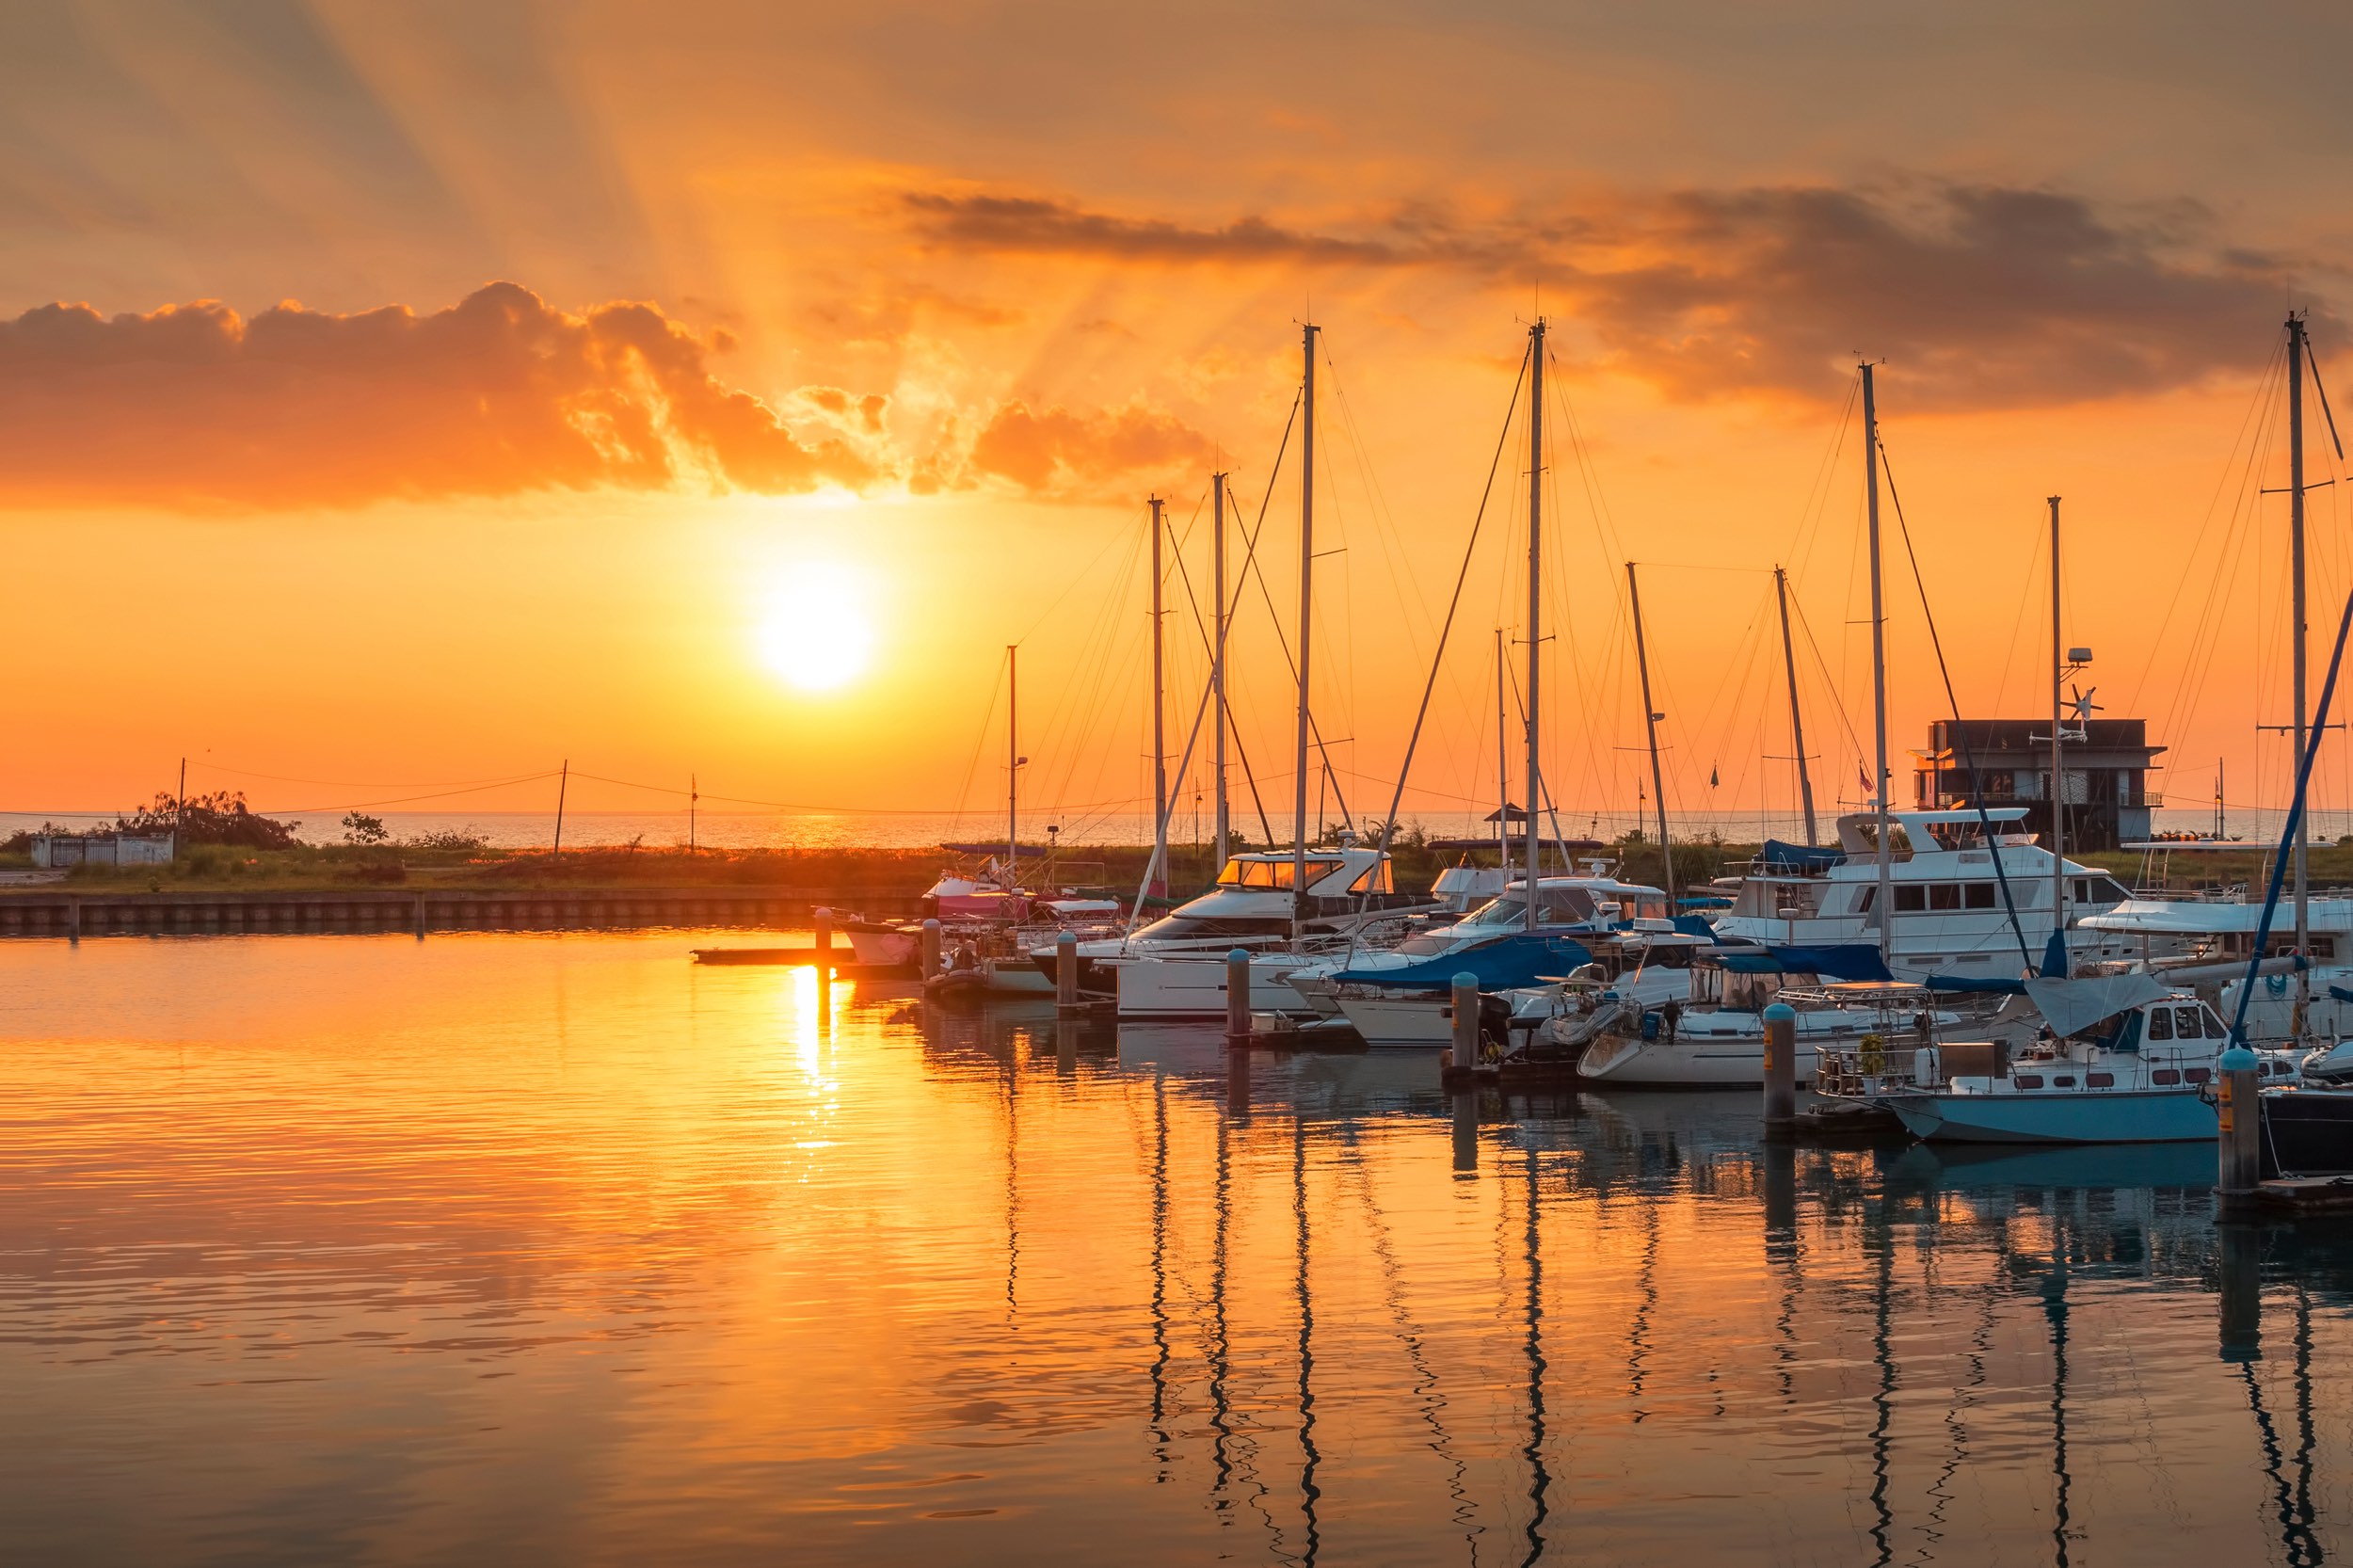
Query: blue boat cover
{"points": [[1835, 960], [2338, 993], [1969, 984], [1522, 959], [1694, 925], [1801, 858], [2055, 956], [1754, 962]]}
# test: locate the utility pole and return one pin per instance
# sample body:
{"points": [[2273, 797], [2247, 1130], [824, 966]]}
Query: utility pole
{"points": [[1885, 896], [694, 799], [180, 813], [563, 786], [1535, 590], [1217, 662], [1797, 725], [1307, 606]]}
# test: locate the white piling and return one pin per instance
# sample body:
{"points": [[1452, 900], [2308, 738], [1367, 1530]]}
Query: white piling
{"points": [[1066, 972], [825, 944], [931, 949], [1237, 996], [1465, 1022]]}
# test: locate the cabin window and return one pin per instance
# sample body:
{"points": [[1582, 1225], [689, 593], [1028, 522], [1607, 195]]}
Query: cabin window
{"points": [[2189, 1020], [2106, 889], [1911, 897], [2165, 1077], [2083, 890], [2065, 1080], [2029, 1081], [1981, 895], [2099, 1080], [1870, 896], [1374, 879], [2324, 948], [2161, 1025], [1944, 895], [2196, 1074]]}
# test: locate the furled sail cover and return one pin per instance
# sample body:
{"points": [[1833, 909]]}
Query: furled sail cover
{"points": [[1520, 960], [1833, 960], [1801, 858], [2074, 1005]]}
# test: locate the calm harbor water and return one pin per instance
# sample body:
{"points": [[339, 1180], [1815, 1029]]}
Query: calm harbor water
{"points": [[558, 1249]]}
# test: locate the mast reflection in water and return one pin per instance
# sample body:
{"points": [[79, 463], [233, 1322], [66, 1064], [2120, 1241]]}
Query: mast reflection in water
{"points": [[549, 1248]]}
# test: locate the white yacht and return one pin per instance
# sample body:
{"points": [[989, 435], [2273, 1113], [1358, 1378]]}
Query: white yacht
{"points": [[1176, 966], [2189, 939], [1947, 918]]}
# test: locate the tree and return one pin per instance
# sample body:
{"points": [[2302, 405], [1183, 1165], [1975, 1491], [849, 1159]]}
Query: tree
{"points": [[220, 818], [361, 829]]}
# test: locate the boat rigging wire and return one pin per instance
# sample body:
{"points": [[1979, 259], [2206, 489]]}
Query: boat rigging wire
{"points": [[1960, 741]]}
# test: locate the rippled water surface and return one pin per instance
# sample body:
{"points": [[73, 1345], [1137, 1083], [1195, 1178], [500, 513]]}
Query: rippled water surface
{"points": [[559, 1249]]}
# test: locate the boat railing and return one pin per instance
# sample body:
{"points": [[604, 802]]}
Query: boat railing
{"points": [[1871, 1067]]}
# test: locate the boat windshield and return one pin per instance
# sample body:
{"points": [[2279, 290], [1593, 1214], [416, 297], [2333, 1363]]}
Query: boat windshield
{"points": [[1181, 928], [1555, 907], [1274, 873]]}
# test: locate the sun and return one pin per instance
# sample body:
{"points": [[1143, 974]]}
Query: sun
{"points": [[815, 631]]}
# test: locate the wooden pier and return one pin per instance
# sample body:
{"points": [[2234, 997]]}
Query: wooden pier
{"points": [[55, 911]]}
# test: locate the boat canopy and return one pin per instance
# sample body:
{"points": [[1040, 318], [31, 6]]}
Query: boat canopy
{"points": [[1521, 959], [1801, 858]]}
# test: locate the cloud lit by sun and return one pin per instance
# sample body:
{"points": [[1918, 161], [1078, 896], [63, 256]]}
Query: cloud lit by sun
{"points": [[816, 629]]}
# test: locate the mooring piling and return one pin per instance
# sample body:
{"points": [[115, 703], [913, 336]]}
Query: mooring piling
{"points": [[2238, 1128], [1465, 1022], [1066, 972], [1237, 996], [1781, 1071], [931, 949]]}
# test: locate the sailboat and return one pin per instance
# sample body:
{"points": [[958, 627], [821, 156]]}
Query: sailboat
{"points": [[1287, 909]]}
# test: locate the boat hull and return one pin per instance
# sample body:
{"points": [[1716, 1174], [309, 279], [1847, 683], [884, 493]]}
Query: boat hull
{"points": [[2056, 1116], [1196, 988], [1016, 977]]}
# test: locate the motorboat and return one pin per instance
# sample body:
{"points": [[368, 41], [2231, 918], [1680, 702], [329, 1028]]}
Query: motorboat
{"points": [[1714, 1036], [1397, 996], [1176, 966], [1948, 914], [2122, 1059]]}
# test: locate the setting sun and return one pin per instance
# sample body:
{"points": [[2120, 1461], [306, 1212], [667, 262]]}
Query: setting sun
{"points": [[816, 632]]}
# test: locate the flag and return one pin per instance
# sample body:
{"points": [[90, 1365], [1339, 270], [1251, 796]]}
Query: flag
{"points": [[1862, 779], [1712, 780]]}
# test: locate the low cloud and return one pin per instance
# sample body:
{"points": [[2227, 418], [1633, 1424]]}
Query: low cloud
{"points": [[193, 405], [1054, 450], [1977, 295]]}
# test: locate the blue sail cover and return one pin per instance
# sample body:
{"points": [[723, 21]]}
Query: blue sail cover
{"points": [[1694, 925], [1801, 858], [1969, 985], [1518, 960], [1836, 960], [2055, 956]]}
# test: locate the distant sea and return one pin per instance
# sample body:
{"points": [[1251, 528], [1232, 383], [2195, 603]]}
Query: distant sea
{"points": [[917, 830]]}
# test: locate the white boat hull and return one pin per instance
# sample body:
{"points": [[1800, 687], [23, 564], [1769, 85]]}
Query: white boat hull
{"points": [[2056, 1116], [1195, 987], [1684, 1063]]}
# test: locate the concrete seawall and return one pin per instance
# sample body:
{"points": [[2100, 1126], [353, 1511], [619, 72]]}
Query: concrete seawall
{"points": [[56, 912]]}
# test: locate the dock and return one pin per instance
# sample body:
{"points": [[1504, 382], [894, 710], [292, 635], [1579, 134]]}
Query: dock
{"points": [[55, 910]]}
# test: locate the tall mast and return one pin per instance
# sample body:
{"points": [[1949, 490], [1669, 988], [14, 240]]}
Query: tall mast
{"points": [[1217, 663], [2058, 731], [1307, 606], [1503, 772], [1013, 760], [1160, 746], [1650, 724], [1884, 899], [1797, 725], [2295, 548], [1536, 588]]}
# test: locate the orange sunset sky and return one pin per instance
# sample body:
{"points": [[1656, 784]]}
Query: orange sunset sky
{"points": [[400, 394]]}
